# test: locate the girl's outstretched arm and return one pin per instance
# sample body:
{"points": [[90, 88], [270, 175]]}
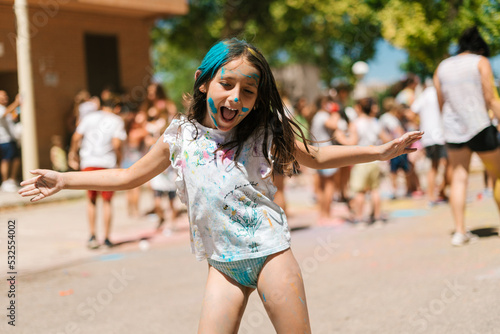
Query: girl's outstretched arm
{"points": [[48, 182], [338, 156]]}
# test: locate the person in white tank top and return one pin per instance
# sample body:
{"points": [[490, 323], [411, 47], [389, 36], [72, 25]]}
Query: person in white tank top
{"points": [[466, 91]]}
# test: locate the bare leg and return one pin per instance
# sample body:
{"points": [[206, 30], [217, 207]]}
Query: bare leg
{"points": [[459, 161], [223, 304], [431, 180], [159, 211], [91, 208], [108, 215], [357, 205], [282, 292], [491, 161], [377, 204], [16, 163], [394, 181], [446, 178], [4, 169], [133, 201], [327, 185]]}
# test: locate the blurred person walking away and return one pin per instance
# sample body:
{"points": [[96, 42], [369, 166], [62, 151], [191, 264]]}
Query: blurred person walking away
{"points": [[465, 89], [163, 185], [405, 98], [98, 139], [365, 131], [9, 153], [391, 123], [134, 148], [427, 107], [346, 115], [323, 126]]}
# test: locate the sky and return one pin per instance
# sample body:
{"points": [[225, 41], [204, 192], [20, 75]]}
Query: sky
{"points": [[384, 67]]}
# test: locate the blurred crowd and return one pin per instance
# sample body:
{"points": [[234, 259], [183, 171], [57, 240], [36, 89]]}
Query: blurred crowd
{"points": [[108, 131]]}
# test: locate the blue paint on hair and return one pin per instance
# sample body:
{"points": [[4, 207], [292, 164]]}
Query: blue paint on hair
{"points": [[214, 59], [212, 105]]}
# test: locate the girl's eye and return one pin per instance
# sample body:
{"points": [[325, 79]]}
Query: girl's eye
{"points": [[223, 84], [249, 92]]}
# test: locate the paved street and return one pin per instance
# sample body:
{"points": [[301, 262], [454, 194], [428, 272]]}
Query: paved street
{"points": [[401, 278]]}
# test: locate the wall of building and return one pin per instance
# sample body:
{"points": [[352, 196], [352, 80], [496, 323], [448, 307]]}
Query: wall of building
{"points": [[59, 65]]}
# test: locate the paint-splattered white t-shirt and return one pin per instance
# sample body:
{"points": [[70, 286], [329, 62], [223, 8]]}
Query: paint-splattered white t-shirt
{"points": [[231, 213]]}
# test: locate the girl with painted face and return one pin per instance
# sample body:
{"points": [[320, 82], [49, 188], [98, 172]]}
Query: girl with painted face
{"points": [[235, 135]]}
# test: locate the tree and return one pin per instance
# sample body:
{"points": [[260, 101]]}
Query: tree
{"points": [[332, 34], [427, 29]]}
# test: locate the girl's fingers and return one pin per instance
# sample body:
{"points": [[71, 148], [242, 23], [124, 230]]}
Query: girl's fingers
{"points": [[26, 189], [31, 192], [30, 181], [37, 198], [409, 150]]}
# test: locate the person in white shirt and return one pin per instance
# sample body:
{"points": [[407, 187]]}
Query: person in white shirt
{"points": [[465, 89], [8, 146], [426, 106], [365, 178], [98, 139]]}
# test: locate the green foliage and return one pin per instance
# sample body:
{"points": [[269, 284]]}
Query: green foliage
{"points": [[332, 34], [427, 29]]}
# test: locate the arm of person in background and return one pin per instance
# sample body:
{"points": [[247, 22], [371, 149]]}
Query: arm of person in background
{"points": [[342, 137], [338, 156], [332, 122], [384, 136], [437, 85], [490, 92], [117, 144], [11, 108], [48, 182], [73, 160]]}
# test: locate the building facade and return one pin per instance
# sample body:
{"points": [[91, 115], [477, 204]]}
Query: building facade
{"points": [[80, 44]]}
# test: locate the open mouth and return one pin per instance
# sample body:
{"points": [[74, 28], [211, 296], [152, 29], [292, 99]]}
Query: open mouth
{"points": [[228, 114]]}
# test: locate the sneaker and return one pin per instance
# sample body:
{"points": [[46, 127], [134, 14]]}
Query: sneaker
{"points": [[379, 223], [92, 243], [9, 186], [108, 243], [460, 239]]}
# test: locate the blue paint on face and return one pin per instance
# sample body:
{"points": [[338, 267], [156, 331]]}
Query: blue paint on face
{"points": [[264, 298], [215, 123], [245, 109], [256, 77], [236, 99], [213, 109], [222, 70]]}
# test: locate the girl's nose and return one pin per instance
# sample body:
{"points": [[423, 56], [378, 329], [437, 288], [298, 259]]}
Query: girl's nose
{"points": [[235, 95]]}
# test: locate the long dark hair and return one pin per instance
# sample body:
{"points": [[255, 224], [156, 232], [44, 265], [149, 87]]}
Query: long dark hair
{"points": [[472, 41], [269, 114]]}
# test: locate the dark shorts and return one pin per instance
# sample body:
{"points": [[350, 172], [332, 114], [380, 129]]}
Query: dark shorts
{"points": [[92, 194], [436, 152], [400, 162], [160, 193], [484, 141], [8, 151]]}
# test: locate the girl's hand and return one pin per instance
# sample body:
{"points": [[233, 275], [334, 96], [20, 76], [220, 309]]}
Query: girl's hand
{"points": [[45, 184], [400, 145]]}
